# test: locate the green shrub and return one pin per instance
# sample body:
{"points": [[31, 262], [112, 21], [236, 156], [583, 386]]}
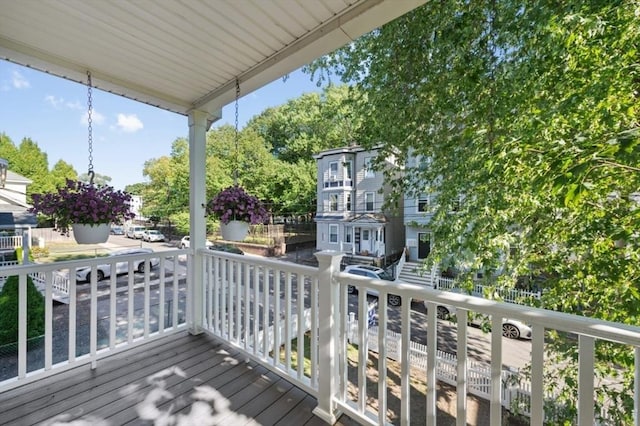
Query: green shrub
{"points": [[9, 311]]}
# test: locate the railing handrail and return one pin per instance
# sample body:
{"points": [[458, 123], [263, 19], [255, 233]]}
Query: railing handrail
{"points": [[602, 329]]}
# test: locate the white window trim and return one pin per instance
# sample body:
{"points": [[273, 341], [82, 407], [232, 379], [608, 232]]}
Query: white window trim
{"points": [[368, 170], [333, 174], [373, 201], [331, 204], [337, 234]]}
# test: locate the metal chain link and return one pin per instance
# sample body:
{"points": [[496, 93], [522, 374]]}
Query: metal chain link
{"points": [[89, 123], [237, 165]]}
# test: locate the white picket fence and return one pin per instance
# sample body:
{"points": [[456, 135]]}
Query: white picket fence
{"points": [[511, 295], [516, 389], [59, 283], [10, 242]]}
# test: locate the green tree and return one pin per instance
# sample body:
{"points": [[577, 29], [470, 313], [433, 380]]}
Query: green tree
{"points": [[98, 179], [136, 188], [310, 123], [530, 113], [60, 172], [31, 162], [8, 150]]}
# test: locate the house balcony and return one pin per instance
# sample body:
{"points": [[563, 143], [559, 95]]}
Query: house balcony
{"points": [[208, 338]]}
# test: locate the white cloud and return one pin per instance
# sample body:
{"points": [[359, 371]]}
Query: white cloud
{"points": [[19, 82], [96, 118], [53, 101], [129, 123], [61, 102]]}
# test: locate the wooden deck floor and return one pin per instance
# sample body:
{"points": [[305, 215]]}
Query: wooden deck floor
{"points": [[179, 380]]}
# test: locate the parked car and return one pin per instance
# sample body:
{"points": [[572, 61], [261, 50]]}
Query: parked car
{"points": [[135, 232], [104, 271], [117, 230], [152, 235], [375, 273], [513, 329], [185, 242], [228, 248]]}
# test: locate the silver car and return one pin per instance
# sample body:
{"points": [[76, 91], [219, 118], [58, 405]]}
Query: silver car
{"points": [[511, 328], [104, 271], [375, 273], [152, 235]]}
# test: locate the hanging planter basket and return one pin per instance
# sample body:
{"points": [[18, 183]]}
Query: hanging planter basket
{"points": [[90, 234], [235, 230]]}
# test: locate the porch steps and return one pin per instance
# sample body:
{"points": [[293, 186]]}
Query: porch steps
{"points": [[413, 273]]}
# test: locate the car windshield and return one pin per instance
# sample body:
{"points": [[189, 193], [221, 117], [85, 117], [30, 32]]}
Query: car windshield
{"points": [[384, 275]]}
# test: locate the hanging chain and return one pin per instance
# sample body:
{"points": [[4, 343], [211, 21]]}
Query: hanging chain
{"points": [[237, 165], [89, 124]]}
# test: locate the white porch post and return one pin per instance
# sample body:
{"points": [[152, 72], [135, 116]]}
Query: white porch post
{"points": [[197, 223], [329, 311]]}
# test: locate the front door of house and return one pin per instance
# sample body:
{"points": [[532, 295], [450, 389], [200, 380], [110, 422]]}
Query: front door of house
{"points": [[424, 245], [365, 241]]}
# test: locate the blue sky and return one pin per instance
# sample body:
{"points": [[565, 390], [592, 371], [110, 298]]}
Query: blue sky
{"points": [[52, 112]]}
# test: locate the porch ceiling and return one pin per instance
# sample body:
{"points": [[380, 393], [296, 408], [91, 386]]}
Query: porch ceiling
{"points": [[183, 55]]}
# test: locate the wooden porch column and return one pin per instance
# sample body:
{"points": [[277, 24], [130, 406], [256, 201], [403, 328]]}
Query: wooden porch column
{"points": [[329, 311], [197, 222]]}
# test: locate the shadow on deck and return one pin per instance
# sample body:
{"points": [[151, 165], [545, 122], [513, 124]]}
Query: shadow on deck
{"points": [[179, 380]]}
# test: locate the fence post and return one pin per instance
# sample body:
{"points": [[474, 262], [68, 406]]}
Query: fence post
{"points": [[329, 313]]}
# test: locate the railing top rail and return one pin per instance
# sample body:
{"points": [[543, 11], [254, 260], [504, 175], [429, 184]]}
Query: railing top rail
{"points": [[262, 261], [70, 264], [606, 330]]}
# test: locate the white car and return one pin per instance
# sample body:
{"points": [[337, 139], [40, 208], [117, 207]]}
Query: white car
{"points": [[104, 271], [152, 235], [185, 242], [135, 232], [513, 329], [375, 273]]}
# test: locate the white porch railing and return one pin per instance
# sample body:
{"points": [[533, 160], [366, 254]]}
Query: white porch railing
{"points": [[10, 242], [263, 307], [247, 298], [245, 295], [100, 318]]}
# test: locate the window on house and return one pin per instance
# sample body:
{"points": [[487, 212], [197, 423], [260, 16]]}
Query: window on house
{"points": [[347, 234], [333, 234], [333, 170], [369, 201], [347, 202], [368, 167], [333, 202], [347, 170], [423, 203], [457, 203]]}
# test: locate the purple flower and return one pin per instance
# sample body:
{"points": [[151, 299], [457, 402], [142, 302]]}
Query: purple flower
{"points": [[233, 203], [79, 202]]}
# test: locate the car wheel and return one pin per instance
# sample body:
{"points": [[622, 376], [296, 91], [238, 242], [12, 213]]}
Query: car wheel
{"points": [[442, 313], [141, 267], [100, 275], [351, 289], [510, 331], [394, 300]]}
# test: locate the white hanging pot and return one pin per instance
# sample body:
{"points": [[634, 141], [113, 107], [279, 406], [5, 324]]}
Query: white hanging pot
{"points": [[235, 230], [90, 233]]}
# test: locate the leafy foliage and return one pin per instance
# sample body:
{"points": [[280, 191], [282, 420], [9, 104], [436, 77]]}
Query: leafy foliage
{"points": [[529, 113], [9, 311]]}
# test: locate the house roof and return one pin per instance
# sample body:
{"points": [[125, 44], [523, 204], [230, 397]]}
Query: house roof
{"points": [[16, 217], [16, 178], [183, 55]]}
